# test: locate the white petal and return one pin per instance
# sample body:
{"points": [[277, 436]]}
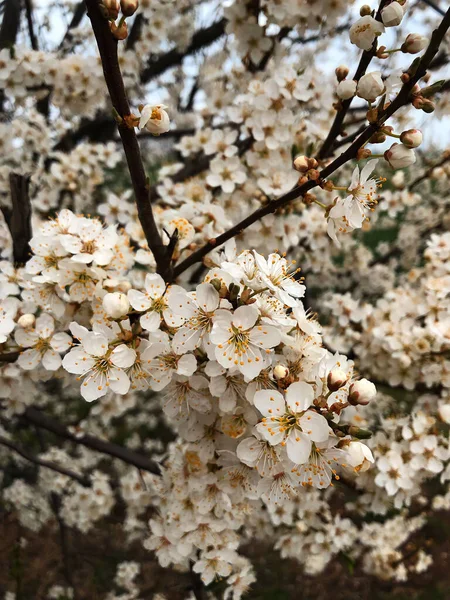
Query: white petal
{"points": [[299, 396], [119, 381], [245, 317], [298, 447], [207, 297], [51, 360], [270, 403], [314, 426], [123, 356]]}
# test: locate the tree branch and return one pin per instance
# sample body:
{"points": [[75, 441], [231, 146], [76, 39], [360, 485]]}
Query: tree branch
{"points": [[434, 6], [201, 39], [401, 99], [367, 55], [107, 46], [84, 481], [40, 419], [18, 217], [31, 32]]}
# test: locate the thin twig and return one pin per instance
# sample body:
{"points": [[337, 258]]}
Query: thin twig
{"points": [[434, 6], [401, 99], [84, 481], [36, 417], [366, 57], [30, 22]]}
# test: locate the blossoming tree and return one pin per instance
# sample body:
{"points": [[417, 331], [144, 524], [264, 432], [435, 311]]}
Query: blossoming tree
{"points": [[184, 189]]}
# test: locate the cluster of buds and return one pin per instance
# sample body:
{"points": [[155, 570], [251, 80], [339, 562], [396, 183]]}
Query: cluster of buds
{"points": [[308, 167], [111, 10]]}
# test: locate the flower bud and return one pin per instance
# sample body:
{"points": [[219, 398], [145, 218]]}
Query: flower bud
{"points": [[116, 304], [361, 392], [359, 456], [346, 89], [428, 106], [280, 372], [392, 14], [27, 320], [301, 164], [412, 138], [155, 119], [336, 379], [112, 8], [370, 86], [444, 413], [129, 7], [341, 72], [399, 156], [414, 43], [365, 10]]}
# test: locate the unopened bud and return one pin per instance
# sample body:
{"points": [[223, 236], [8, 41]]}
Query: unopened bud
{"points": [[341, 72], [428, 106], [129, 7], [26, 321], [301, 164], [116, 304], [120, 33], [359, 456], [414, 43], [280, 372], [112, 8], [216, 283], [336, 379], [412, 138], [313, 174], [361, 392], [378, 138], [392, 14], [361, 434], [365, 10], [363, 153]]}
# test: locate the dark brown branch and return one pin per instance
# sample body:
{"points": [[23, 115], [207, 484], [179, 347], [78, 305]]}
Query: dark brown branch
{"points": [[201, 39], [107, 46], [367, 55], [402, 98], [434, 6], [30, 23], [84, 481], [36, 417], [10, 357], [18, 217]]}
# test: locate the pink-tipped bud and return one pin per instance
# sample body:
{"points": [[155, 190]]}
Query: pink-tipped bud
{"points": [[399, 156], [414, 43], [412, 138], [129, 7], [361, 392], [336, 379]]}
